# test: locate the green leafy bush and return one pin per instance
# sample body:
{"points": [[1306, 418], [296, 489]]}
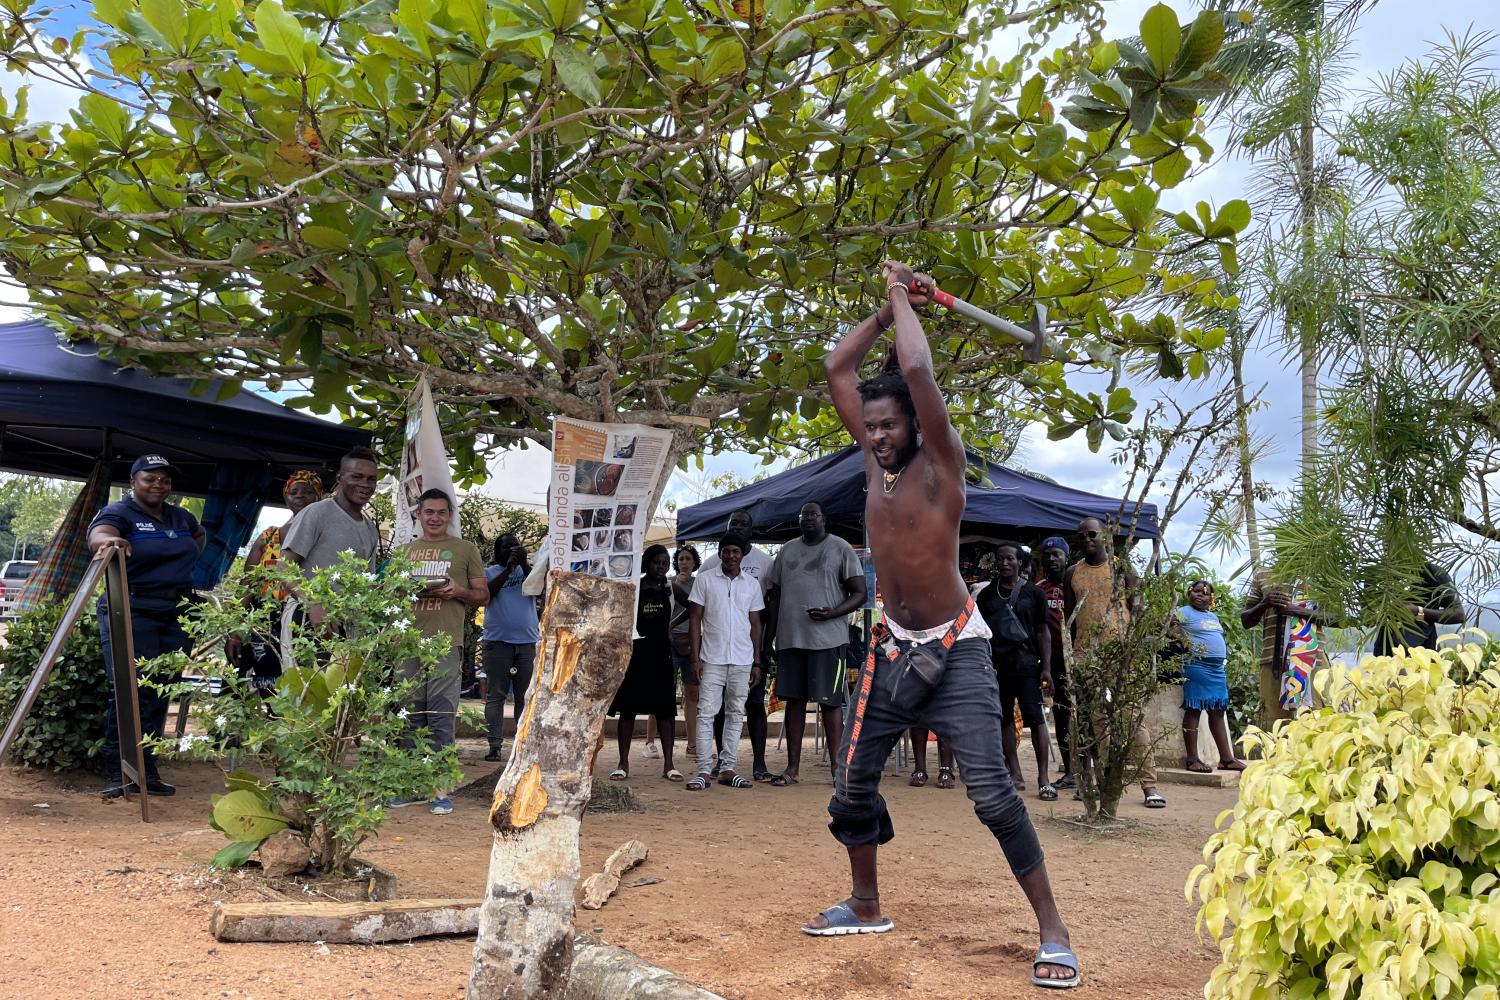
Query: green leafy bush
{"points": [[66, 726], [1361, 858], [324, 750]]}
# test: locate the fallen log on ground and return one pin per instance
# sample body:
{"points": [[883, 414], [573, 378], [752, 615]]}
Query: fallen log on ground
{"points": [[599, 887], [604, 972], [344, 923], [525, 944]]}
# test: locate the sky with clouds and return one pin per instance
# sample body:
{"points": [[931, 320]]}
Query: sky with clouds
{"points": [[1392, 32]]}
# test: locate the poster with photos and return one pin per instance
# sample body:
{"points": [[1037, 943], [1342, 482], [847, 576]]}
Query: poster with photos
{"points": [[604, 479]]}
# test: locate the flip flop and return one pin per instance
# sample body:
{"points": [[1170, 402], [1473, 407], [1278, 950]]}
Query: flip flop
{"points": [[1066, 781], [762, 774], [1198, 767], [618, 774], [1155, 801], [697, 783], [782, 780], [1231, 765], [1047, 793], [738, 781], [918, 779], [673, 775], [843, 920], [945, 777], [1055, 954]]}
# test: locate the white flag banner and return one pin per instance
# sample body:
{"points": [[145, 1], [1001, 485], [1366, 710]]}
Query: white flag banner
{"points": [[424, 465], [604, 480]]}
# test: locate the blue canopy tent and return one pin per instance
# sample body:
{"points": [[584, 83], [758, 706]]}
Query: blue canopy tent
{"points": [[63, 410], [1012, 504]]}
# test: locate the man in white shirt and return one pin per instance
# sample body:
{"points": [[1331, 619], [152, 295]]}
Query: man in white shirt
{"points": [[755, 563], [724, 633]]}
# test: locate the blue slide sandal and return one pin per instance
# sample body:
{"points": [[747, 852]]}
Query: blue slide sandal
{"points": [[843, 920], [1056, 954]]}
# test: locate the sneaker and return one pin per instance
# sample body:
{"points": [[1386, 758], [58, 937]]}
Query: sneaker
{"points": [[652, 751], [399, 803], [441, 807]]}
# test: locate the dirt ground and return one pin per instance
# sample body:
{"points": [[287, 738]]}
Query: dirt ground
{"points": [[93, 903]]}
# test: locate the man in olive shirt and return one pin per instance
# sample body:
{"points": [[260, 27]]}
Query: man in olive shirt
{"points": [[454, 571]]}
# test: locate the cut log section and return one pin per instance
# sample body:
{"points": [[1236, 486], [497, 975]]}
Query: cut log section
{"points": [[345, 923], [598, 888], [525, 943]]}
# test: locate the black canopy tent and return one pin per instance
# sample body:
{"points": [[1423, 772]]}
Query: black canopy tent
{"points": [[1011, 504], [62, 407], [63, 410]]}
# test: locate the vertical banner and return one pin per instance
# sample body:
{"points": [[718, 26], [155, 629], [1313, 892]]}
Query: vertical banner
{"points": [[424, 465], [604, 480]]}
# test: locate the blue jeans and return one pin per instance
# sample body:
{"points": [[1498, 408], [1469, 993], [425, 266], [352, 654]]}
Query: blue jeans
{"points": [[964, 711], [153, 633]]}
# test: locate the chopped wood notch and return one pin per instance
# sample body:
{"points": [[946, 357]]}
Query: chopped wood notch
{"points": [[598, 888], [345, 923]]}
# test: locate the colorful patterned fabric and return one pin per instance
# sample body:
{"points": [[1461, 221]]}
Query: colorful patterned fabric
{"points": [[307, 476], [1302, 653], [63, 561]]}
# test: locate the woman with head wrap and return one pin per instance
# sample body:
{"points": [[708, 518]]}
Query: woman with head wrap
{"points": [[258, 658]]}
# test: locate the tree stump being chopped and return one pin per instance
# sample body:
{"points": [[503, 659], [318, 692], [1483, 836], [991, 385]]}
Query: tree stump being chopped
{"points": [[525, 945], [598, 888]]}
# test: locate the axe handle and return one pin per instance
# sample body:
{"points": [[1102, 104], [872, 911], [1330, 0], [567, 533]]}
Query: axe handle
{"points": [[978, 315]]}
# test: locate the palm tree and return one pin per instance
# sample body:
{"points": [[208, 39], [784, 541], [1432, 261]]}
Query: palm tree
{"points": [[1287, 60]]}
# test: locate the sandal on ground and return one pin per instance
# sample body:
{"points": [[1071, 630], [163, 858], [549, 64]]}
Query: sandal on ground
{"points": [[618, 774], [1154, 800], [738, 781], [673, 774], [782, 780], [1047, 793], [1055, 954], [918, 779], [1231, 765], [761, 774], [945, 777], [843, 920], [1067, 781], [1198, 767], [697, 783]]}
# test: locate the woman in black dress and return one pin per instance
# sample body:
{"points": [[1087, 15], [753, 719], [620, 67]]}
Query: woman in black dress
{"points": [[650, 684]]}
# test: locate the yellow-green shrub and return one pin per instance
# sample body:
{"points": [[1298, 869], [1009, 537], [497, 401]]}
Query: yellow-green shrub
{"points": [[1361, 858]]}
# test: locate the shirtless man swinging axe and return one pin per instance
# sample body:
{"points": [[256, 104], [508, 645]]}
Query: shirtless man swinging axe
{"points": [[935, 671]]}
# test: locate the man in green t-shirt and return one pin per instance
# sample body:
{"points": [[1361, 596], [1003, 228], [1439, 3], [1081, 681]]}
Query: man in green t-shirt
{"points": [[454, 571]]}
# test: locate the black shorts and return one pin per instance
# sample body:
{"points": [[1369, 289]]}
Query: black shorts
{"points": [[1019, 674], [811, 675], [684, 665]]}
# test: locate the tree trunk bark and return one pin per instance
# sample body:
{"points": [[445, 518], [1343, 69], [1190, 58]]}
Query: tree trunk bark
{"points": [[1308, 325], [525, 944], [1242, 431]]}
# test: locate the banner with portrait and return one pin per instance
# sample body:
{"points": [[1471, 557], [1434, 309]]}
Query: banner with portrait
{"points": [[604, 479], [424, 466]]}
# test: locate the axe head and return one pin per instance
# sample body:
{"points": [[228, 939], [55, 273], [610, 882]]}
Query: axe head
{"points": [[1036, 351]]}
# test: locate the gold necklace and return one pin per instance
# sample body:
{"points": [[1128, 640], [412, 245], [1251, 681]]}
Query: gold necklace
{"points": [[891, 478]]}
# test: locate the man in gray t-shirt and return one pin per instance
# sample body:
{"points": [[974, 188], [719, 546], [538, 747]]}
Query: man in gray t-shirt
{"points": [[322, 530], [814, 583]]}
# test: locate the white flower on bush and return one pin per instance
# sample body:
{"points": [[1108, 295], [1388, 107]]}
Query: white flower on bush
{"points": [[220, 722], [188, 742], [401, 623], [402, 714]]}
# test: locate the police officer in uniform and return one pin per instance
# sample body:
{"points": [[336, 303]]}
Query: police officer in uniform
{"points": [[161, 542]]}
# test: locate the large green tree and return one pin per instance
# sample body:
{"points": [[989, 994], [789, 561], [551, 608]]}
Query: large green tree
{"points": [[652, 209]]}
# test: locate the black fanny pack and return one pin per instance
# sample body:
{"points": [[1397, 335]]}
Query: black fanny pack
{"points": [[919, 669]]}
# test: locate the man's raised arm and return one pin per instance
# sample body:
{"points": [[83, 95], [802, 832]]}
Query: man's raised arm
{"points": [[842, 367], [915, 358]]}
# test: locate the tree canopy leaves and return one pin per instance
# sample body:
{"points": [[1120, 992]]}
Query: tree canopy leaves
{"points": [[651, 209]]}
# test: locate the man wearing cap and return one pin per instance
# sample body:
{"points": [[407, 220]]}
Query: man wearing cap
{"points": [[161, 543]]}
